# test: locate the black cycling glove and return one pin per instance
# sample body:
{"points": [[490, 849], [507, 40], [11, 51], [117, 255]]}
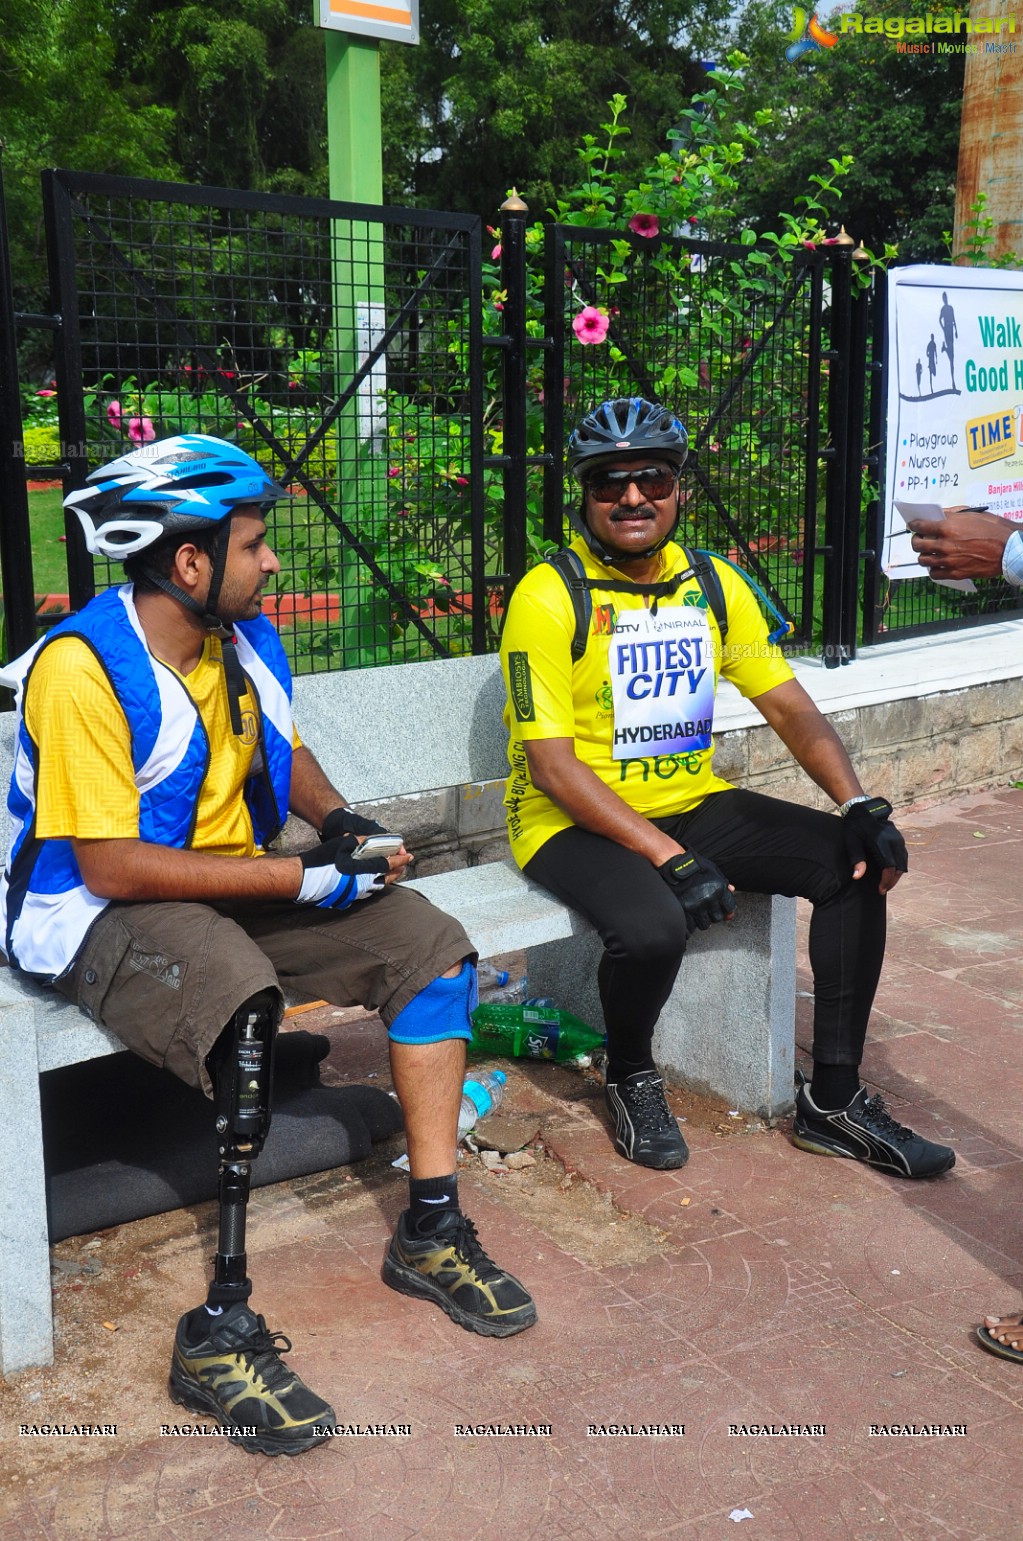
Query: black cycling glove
{"points": [[345, 821], [700, 887], [870, 837], [333, 879]]}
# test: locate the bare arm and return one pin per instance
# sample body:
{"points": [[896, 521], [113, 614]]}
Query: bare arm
{"points": [[812, 741], [137, 870], [555, 770], [962, 545], [312, 795]]}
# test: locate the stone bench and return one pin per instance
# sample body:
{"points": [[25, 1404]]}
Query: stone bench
{"points": [[382, 734]]}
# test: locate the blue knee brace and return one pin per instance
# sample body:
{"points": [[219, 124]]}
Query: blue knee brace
{"points": [[440, 1011]]}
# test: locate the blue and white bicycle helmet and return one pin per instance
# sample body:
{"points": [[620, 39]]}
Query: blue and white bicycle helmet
{"points": [[179, 486], [176, 486]]}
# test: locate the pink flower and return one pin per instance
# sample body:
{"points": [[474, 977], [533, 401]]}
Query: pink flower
{"points": [[810, 245], [590, 325], [393, 471], [46, 393], [462, 481], [646, 225], [141, 430], [114, 414], [495, 255]]}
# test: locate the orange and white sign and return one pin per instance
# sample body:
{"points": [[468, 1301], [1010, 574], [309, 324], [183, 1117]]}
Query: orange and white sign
{"points": [[397, 21]]}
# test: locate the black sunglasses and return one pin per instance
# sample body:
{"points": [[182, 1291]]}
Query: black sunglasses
{"points": [[653, 482]]}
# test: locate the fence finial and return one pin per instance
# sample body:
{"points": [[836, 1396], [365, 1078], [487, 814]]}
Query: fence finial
{"points": [[513, 204]]}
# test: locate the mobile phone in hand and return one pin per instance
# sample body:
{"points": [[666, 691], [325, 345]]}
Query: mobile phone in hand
{"points": [[378, 845]]}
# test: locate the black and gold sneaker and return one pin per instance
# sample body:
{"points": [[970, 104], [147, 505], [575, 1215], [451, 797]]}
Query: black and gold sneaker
{"points": [[449, 1267], [230, 1366]]}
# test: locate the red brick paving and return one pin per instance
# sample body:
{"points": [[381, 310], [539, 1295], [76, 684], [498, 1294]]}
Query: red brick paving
{"points": [[789, 1289]]}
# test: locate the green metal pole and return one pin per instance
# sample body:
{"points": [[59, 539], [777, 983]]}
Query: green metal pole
{"points": [[353, 118], [356, 176]]}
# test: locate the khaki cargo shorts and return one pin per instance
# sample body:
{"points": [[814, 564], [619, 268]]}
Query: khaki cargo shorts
{"points": [[167, 977]]}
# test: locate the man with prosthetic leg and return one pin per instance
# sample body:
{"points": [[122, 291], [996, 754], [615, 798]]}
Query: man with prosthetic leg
{"points": [[611, 653], [156, 759]]}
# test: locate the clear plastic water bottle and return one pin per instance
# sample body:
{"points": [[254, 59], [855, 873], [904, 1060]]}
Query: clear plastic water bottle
{"points": [[497, 986], [535, 1030], [481, 1093]]}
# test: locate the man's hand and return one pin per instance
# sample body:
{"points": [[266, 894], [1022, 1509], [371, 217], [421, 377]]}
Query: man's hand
{"points": [[333, 879], [345, 821], [962, 545], [870, 837], [700, 887]]}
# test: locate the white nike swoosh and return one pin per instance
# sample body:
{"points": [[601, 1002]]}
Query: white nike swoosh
{"points": [[443, 1200]]}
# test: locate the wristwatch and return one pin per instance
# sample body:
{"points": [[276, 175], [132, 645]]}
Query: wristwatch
{"points": [[862, 798]]}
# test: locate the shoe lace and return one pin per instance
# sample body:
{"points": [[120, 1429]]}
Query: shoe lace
{"points": [[468, 1245], [262, 1352], [648, 1098], [876, 1110]]}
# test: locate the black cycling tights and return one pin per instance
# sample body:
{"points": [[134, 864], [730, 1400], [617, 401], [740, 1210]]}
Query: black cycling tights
{"points": [[763, 846]]}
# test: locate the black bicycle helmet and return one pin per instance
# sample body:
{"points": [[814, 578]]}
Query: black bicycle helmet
{"points": [[624, 426], [627, 424]]}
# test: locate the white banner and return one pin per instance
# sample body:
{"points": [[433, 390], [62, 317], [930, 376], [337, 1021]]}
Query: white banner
{"points": [[955, 398]]}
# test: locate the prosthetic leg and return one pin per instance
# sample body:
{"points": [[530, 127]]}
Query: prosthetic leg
{"points": [[241, 1069], [225, 1362]]}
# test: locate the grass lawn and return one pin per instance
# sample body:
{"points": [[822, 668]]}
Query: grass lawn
{"points": [[49, 563]]}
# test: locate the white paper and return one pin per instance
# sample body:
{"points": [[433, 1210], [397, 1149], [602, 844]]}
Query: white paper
{"points": [[902, 560]]}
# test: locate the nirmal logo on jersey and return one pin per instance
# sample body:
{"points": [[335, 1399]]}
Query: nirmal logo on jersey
{"points": [[807, 35]]}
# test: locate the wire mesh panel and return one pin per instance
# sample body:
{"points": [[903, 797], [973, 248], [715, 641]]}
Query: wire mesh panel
{"points": [[333, 342], [731, 341]]}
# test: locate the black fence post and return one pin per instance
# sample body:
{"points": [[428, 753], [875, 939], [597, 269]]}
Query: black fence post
{"points": [[15, 528], [875, 462], [856, 547], [60, 253], [513, 282], [835, 457], [554, 385]]}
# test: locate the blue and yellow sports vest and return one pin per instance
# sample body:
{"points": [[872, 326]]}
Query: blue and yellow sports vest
{"points": [[45, 908]]}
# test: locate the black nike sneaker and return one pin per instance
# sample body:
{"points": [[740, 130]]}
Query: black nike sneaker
{"points": [[230, 1366], [449, 1267], [866, 1131], [645, 1130]]}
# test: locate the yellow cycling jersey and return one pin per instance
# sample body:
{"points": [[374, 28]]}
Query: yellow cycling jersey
{"points": [[639, 703], [86, 787]]}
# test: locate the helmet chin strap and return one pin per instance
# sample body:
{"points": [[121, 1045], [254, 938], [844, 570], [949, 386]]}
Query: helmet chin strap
{"points": [[614, 559], [234, 677]]}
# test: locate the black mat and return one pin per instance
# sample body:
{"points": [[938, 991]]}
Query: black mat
{"points": [[124, 1140]]}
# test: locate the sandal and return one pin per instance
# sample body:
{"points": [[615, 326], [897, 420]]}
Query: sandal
{"points": [[1008, 1327]]}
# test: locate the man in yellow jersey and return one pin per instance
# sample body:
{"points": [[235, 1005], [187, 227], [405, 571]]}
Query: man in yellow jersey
{"points": [[613, 803], [156, 759]]}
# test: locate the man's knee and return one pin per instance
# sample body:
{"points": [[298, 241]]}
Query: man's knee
{"points": [[442, 1010], [653, 938]]}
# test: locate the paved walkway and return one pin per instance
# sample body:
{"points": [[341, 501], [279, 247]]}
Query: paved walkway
{"points": [[759, 1286]]}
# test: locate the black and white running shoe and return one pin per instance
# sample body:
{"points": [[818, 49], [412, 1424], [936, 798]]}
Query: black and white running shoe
{"points": [[645, 1130], [866, 1131]]}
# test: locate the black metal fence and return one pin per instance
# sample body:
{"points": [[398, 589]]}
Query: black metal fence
{"points": [[420, 425], [338, 344], [736, 349]]}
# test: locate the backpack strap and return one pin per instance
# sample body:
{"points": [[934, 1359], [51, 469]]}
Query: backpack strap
{"points": [[570, 569], [707, 577]]}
